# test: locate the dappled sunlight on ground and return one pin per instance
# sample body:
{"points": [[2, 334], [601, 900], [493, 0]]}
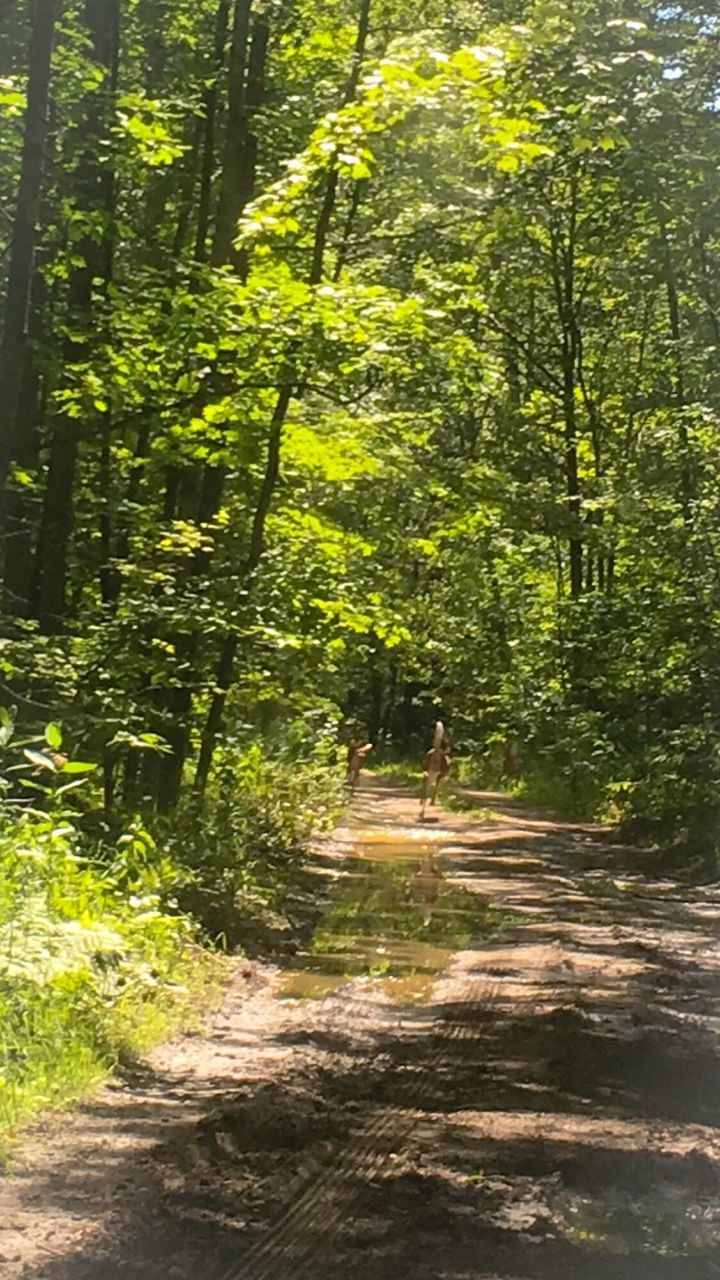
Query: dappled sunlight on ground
{"points": [[495, 1057]]}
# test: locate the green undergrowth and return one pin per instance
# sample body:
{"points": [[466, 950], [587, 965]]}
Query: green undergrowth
{"points": [[243, 856], [95, 965], [110, 944], [398, 773], [658, 790], [650, 814], [458, 801], [569, 787], [561, 797]]}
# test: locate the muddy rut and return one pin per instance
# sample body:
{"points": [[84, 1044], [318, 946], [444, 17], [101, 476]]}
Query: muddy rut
{"points": [[497, 1058]]}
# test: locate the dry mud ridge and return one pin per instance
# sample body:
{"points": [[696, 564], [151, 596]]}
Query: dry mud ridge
{"points": [[496, 1060]]}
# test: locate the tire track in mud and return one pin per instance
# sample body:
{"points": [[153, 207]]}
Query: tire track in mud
{"points": [[303, 1235]]}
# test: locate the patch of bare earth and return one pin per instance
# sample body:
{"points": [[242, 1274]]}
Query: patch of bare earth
{"points": [[551, 1112]]}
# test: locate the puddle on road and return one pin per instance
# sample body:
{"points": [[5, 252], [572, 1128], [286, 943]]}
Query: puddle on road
{"points": [[668, 1222], [393, 917]]}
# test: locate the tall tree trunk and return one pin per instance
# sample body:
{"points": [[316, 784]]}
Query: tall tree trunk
{"points": [[678, 379], [292, 377], [344, 246], [707, 288], [571, 469], [95, 189], [226, 665], [254, 98], [242, 184], [186, 192], [564, 279], [594, 519], [230, 200], [13, 349], [199, 160], [109, 580], [23, 503], [210, 109]]}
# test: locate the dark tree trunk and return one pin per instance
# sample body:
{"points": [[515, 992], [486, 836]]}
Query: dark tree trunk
{"points": [[230, 200], [210, 108], [254, 98], [13, 349], [238, 182], [109, 582], [122, 547], [95, 191], [344, 246], [175, 705], [564, 279], [186, 193], [23, 504], [571, 473], [678, 381], [201, 157], [213, 480], [376, 699], [226, 665]]}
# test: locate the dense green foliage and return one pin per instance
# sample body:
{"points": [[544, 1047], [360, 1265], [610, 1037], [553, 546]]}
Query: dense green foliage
{"points": [[92, 968], [359, 359], [105, 932]]}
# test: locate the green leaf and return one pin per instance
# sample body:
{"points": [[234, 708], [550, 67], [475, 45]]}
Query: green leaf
{"points": [[70, 786], [7, 726], [78, 766], [53, 736]]}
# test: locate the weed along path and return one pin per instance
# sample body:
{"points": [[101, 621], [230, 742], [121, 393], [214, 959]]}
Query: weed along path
{"points": [[496, 1058]]}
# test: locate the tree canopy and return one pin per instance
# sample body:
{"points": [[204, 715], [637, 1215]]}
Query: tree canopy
{"points": [[360, 359]]}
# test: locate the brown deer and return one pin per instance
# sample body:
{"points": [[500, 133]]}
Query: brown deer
{"points": [[357, 753], [436, 766]]}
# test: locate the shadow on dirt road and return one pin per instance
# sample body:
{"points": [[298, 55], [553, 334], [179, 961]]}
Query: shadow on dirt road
{"points": [[497, 1059]]}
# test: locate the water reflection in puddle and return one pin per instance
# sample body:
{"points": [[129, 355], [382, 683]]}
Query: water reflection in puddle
{"points": [[394, 917]]}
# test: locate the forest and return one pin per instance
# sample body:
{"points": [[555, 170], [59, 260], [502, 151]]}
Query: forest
{"points": [[359, 366]]}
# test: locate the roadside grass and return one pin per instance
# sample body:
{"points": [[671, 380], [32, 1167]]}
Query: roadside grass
{"points": [[107, 949], [95, 966], [458, 801], [62, 1044], [399, 772]]}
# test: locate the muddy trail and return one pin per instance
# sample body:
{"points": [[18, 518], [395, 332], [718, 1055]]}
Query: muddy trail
{"points": [[497, 1057]]}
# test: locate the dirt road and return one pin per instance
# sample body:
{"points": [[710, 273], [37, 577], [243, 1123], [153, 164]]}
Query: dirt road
{"points": [[496, 1060]]}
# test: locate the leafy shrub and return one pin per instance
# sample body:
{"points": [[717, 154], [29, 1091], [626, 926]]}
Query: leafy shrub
{"points": [[562, 758], [100, 939], [243, 852], [675, 798], [88, 972]]}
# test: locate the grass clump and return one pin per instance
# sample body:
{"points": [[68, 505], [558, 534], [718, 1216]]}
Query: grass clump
{"points": [[399, 773], [111, 939], [94, 966], [457, 801]]}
